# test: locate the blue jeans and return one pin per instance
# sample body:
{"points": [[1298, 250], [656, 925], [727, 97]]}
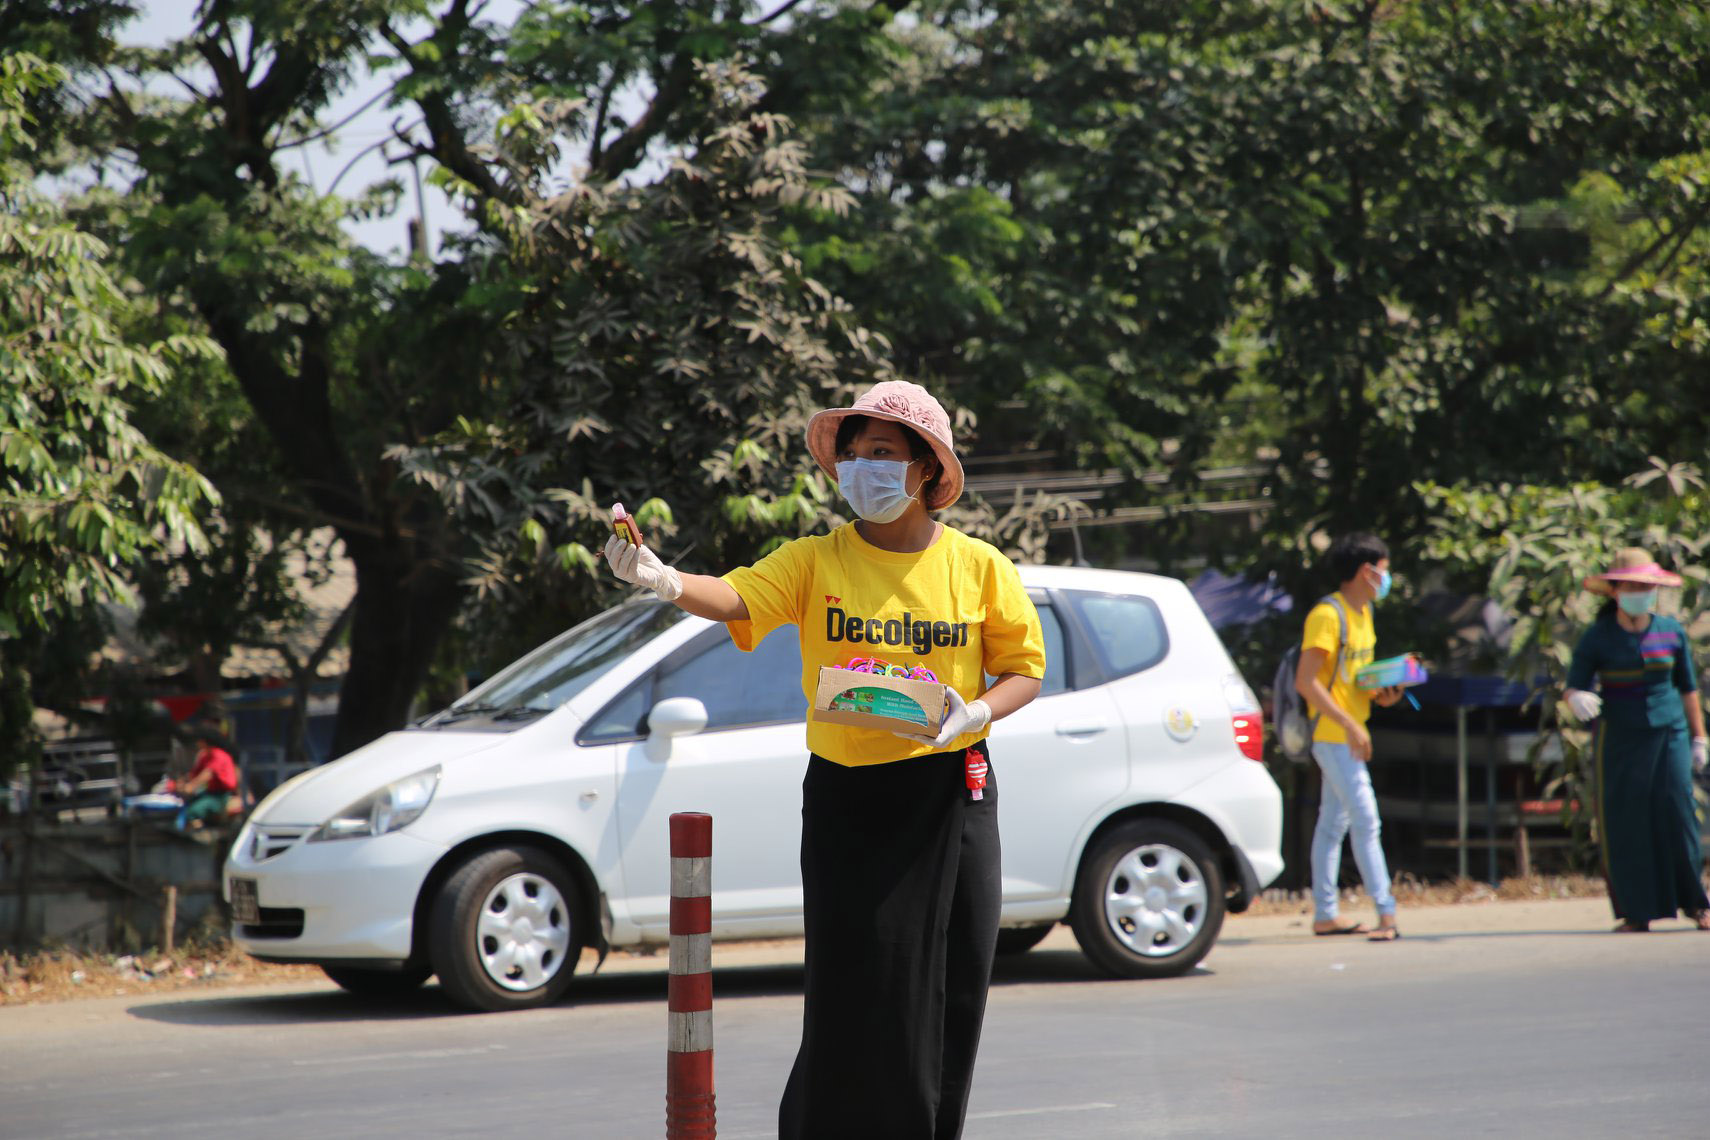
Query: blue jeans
{"points": [[1348, 805]]}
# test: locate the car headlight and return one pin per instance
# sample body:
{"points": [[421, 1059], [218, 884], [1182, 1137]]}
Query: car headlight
{"points": [[396, 805]]}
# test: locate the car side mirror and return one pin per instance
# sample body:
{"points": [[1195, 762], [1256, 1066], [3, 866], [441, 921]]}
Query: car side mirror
{"points": [[676, 716]]}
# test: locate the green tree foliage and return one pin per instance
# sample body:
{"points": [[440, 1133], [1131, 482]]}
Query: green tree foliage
{"points": [[1539, 544], [83, 492], [1354, 233], [1448, 240], [84, 495], [664, 352], [347, 362]]}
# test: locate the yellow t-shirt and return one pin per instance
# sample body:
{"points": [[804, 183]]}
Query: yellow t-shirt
{"points": [[957, 607], [1323, 631]]}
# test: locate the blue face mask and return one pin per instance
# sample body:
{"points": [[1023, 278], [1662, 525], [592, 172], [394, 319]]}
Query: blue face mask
{"points": [[1636, 605], [1383, 584], [876, 488]]}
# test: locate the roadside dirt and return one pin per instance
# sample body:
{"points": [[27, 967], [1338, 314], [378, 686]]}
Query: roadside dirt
{"points": [[66, 975], [1410, 892]]}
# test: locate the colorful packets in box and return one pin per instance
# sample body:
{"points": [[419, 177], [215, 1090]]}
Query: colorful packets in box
{"points": [[1404, 670]]}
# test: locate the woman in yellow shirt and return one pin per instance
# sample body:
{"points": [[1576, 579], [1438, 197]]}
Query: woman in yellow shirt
{"points": [[900, 852]]}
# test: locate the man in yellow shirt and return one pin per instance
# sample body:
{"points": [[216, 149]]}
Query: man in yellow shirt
{"points": [[1340, 637]]}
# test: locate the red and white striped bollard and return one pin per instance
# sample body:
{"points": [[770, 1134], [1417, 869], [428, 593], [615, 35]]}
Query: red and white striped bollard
{"points": [[689, 1111]]}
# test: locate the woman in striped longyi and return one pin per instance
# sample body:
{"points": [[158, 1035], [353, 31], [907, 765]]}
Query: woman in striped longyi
{"points": [[1648, 701]]}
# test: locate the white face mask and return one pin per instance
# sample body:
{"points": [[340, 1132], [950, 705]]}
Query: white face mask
{"points": [[876, 488]]}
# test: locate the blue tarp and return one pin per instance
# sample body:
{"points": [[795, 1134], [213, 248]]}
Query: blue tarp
{"points": [[1229, 601]]}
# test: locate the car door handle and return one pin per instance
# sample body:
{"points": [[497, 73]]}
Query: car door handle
{"points": [[1084, 728]]}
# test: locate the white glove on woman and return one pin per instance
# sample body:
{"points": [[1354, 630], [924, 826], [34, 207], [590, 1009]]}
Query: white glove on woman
{"points": [[959, 719], [1584, 705], [1700, 753], [639, 566]]}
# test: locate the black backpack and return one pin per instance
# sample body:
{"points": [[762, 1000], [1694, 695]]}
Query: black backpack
{"points": [[1295, 724]]}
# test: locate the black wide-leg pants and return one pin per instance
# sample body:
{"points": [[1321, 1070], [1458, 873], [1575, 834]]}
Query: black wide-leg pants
{"points": [[902, 888]]}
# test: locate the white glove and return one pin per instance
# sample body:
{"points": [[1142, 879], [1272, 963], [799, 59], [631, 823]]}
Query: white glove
{"points": [[1700, 753], [959, 719], [1584, 705], [639, 566]]}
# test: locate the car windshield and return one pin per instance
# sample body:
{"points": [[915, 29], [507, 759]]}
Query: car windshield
{"points": [[538, 683]]}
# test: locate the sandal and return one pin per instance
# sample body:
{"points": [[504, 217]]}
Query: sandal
{"points": [[1700, 919], [1385, 934], [1628, 926], [1349, 928]]}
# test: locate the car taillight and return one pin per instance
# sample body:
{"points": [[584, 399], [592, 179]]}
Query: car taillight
{"points": [[1250, 734]]}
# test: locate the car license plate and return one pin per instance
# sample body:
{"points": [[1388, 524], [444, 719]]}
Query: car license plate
{"points": [[245, 909]]}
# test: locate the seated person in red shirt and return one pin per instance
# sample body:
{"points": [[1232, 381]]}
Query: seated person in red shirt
{"points": [[211, 782]]}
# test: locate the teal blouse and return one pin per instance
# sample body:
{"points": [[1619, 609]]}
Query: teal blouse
{"points": [[1641, 674]]}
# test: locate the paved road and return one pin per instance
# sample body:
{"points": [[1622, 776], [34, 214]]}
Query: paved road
{"points": [[1501, 1019]]}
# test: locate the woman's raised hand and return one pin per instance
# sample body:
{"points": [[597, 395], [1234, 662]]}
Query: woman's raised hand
{"points": [[639, 566]]}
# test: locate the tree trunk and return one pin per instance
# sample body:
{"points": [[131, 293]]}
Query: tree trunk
{"points": [[405, 601], [407, 588]]}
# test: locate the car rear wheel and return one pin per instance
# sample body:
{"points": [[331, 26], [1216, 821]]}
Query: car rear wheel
{"points": [[1148, 900], [365, 982], [505, 930]]}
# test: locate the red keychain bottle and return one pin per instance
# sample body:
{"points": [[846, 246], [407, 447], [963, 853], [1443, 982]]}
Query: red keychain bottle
{"points": [[975, 758]]}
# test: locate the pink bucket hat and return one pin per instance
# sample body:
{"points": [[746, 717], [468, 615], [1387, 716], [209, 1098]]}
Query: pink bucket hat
{"points": [[1631, 565], [903, 403]]}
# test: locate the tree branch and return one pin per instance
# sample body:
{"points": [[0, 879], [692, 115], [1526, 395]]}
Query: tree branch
{"points": [[195, 91], [595, 150], [121, 106], [628, 147], [342, 123], [1681, 232], [330, 638], [281, 89], [246, 64], [245, 128], [398, 133], [449, 148], [295, 410], [284, 650], [228, 80], [314, 516], [779, 11]]}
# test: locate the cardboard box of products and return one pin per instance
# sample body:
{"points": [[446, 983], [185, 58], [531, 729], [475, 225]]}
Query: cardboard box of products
{"points": [[872, 700]]}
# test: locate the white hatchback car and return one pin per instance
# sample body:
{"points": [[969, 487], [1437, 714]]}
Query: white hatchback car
{"points": [[492, 842]]}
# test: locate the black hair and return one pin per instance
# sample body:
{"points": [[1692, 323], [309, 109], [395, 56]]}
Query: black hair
{"points": [[1352, 551], [850, 426]]}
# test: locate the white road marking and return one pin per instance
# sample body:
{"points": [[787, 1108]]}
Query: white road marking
{"points": [[1090, 1106], [414, 1055]]}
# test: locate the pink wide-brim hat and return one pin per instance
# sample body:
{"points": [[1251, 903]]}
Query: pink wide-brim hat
{"points": [[903, 403], [1631, 565]]}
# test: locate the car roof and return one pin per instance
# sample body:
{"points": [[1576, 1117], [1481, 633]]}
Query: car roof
{"points": [[1094, 578]]}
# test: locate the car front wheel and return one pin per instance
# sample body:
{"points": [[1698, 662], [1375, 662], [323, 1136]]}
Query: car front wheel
{"points": [[504, 932], [1148, 900]]}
